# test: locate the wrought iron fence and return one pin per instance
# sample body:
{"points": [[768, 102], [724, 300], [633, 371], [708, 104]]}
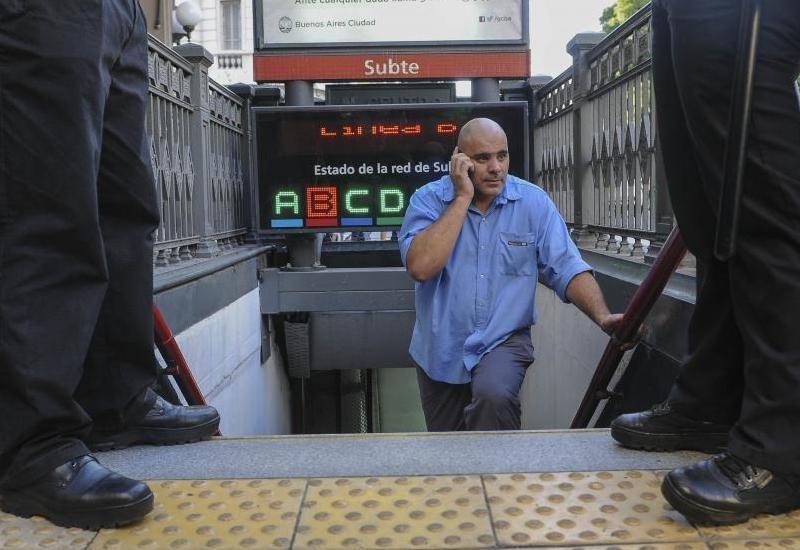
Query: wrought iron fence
{"points": [[199, 149], [595, 146]]}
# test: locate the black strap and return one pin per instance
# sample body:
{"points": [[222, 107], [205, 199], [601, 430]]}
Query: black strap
{"points": [[739, 117]]}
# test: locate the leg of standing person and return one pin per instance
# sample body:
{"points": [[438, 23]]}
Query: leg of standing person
{"points": [[120, 367], [119, 364], [55, 75], [496, 382], [94, 209], [761, 473], [706, 397]]}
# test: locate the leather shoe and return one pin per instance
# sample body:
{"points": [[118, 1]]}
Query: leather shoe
{"points": [[663, 429], [724, 489], [81, 493], [164, 424]]}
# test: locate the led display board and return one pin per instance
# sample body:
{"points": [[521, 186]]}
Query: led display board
{"points": [[339, 168], [343, 23]]}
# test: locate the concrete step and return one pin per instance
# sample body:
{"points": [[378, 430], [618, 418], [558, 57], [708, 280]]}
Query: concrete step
{"points": [[389, 455]]}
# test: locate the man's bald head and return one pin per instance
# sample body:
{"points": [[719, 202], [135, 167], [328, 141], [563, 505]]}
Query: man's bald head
{"points": [[476, 129], [485, 145]]}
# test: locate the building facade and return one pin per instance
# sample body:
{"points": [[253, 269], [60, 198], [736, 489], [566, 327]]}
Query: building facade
{"points": [[226, 30]]}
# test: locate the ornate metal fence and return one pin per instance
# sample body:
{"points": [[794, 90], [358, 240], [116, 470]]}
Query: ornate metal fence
{"points": [[226, 154], [199, 150], [595, 146], [555, 143]]}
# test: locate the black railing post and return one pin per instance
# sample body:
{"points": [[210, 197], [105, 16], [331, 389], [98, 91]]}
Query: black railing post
{"points": [[536, 83], [246, 93], [579, 48], [201, 59], [665, 219]]}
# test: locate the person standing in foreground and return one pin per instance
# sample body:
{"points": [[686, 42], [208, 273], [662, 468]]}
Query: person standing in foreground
{"points": [[476, 241], [77, 215], [740, 384]]}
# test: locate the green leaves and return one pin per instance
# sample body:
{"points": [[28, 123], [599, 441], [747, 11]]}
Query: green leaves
{"points": [[616, 14]]}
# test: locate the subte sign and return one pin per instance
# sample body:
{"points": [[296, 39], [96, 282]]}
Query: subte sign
{"points": [[440, 65]]}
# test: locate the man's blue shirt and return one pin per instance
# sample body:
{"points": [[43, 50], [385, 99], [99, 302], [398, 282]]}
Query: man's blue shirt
{"points": [[487, 289]]}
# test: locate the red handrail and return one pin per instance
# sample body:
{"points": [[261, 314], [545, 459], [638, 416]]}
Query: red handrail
{"points": [[635, 314], [176, 362]]}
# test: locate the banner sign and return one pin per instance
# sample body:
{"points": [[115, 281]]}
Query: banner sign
{"points": [[335, 23]]}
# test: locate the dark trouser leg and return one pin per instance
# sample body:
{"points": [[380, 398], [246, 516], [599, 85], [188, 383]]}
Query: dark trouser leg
{"points": [[443, 403], [710, 383], [763, 280], [54, 79], [120, 363], [496, 382]]}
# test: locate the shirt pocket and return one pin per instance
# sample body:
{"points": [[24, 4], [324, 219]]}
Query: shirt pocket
{"points": [[517, 254]]}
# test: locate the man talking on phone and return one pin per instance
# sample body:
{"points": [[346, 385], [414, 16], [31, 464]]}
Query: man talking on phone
{"points": [[476, 241]]}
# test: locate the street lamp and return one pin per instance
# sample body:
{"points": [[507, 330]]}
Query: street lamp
{"points": [[188, 15]]}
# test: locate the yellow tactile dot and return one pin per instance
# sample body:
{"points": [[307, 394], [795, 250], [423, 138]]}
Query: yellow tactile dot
{"points": [[583, 508], [404, 512], [36, 532], [214, 514]]}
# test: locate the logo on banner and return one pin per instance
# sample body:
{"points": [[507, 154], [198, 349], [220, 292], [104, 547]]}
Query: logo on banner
{"points": [[285, 24]]}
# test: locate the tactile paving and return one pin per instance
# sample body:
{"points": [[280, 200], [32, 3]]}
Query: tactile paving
{"points": [[784, 527], [753, 544], [765, 526], [214, 514], [613, 510], [582, 509], [36, 532], [658, 546], [395, 512]]}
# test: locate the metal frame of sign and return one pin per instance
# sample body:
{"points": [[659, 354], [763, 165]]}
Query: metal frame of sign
{"points": [[258, 15], [335, 93]]}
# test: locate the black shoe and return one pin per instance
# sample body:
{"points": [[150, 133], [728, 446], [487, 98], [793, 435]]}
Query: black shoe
{"points": [[164, 424], [724, 490], [662, 429], [81, 493]]}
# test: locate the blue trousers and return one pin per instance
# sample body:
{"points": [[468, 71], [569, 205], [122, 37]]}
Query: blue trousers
{"points": [[490, 401]]}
